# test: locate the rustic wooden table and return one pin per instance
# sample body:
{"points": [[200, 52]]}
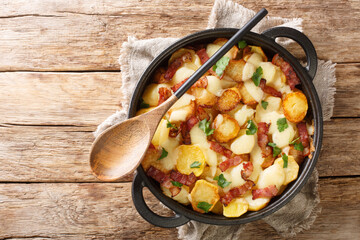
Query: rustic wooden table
{"points": [[60, 78]]}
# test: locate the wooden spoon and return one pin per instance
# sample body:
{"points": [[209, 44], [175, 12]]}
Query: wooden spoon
{"points": [[120, 149]]}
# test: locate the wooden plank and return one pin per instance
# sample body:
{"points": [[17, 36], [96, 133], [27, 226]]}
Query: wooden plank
{"points": [[100, 210], [57, 36], [61, 154], [86, 99]]}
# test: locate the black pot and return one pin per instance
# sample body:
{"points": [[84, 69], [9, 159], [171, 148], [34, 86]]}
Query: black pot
{"points": [[267, 41]]}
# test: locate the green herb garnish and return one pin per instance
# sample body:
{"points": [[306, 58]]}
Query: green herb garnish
{"points": [[285, 158], [176, 184], [256, 77], [299, 146], [221, 181], [164, 154], [276, 150], [282, 124], [264, 104], [144, 104], [220, 65], [204, 206], [195, 164], [251, 128], [294, 141], [242, 44], [170, 125], [205, 126]]}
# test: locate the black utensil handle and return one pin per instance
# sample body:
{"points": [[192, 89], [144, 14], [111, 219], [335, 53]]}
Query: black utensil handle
{"points": [[221, 52], [146, 213], [302, 40]]}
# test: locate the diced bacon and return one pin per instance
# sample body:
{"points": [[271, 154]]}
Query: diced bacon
{"points": [[159, 76], [202, 114], [306, 152], [248, 169], [291, 77], [191, 122], [303, 133], [174, 132], [174, 191], [183, 178], [164, 94], [298, 155], [186, 127], [203, 55], [237, 192], [246, 51], [263, 139], [217, 147], [159, 176], [177, 63], [269, 90], [269, 191], [268, 161], [231, 162], [201, 83], [178, 85]]}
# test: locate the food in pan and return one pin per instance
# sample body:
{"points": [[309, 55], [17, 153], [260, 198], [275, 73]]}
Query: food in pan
{"points": [[236, 139]]}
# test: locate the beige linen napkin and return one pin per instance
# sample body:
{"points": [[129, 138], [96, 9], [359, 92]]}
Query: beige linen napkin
{"points": [[299, 213]]}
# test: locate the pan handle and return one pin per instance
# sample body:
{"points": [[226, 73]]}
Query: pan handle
{"points": [[302, 40], [146, 213]]}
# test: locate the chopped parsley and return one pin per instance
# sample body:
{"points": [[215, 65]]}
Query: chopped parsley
{"points": [[170, 125], [276, 150], [164, 154], [256, 77], [282, 124], [264, 104], [251, 128], [220, 65], [204, 206], [242, 44], [195, 164], [221, 181], [294, 141], [299, 146], [176, 184], [285, 158], [205, 126], [143, 104]]}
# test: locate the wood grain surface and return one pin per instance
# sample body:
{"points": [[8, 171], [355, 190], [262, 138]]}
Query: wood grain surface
{"points": [[60, 78]]}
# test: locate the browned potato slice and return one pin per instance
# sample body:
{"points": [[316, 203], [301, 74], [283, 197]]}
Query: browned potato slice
{"points": [[203, 97], [228, 100], [180, 53], [236, 208], [226, 128], [151, 159], [204, 192], [233, 51], [246, 98], [218, 208], [256, 49], [187, 155], [234, 70], [295, 106]]}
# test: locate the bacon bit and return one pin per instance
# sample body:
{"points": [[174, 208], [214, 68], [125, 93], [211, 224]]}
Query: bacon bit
{"points": [[263, 139], [303, 133], [170, 72], [202, 114], [174, 191], [248, 170], [164, 94], [269, 191], [231, 162], [201, 83], [246, 51], [291, 77], [174, 132], [159, 176], [151, 146], [269, 90], [298, 155], [306, 152], [268, 161], [237, 192], [191, 122], [217, 147], [159, 76], [183, 178], [178, 85], [186, 127], [203, 55]]}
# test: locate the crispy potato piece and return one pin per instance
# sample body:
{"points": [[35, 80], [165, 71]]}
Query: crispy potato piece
{"points": [[179, 53], [187, 155], [291, 171], [182, 113], [257, 49], [234, 70], [182, 197], [218, 208], [257, 204], [151, 159], [226, 128], [204, 192], [236, 208], [228, 100], [295, 106], [232, 52], [246, 98], [203, 97]]}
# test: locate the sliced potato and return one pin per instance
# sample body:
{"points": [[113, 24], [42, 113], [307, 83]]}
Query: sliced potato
{"points": [[269, 71], [181, 197], [144, 110], [181, 114], [246, 98], [204, 191], [226, 128], [257, 49], [295, 106], [151, 94], [248, 71], [254, 58], [273, 175], [214, 85], [291, 171], [181, 74], [243, 144], [257, 204], [236, 208], [183, 101], [243, 114], [228, 100], [179, 53], [234, 70], [213, 48], [187, 155], [218, 208], [255, 92], [232, 52], [203, 97]]}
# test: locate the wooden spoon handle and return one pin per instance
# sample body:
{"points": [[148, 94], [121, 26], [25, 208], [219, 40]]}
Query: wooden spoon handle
{"points": [[221, 52]]}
